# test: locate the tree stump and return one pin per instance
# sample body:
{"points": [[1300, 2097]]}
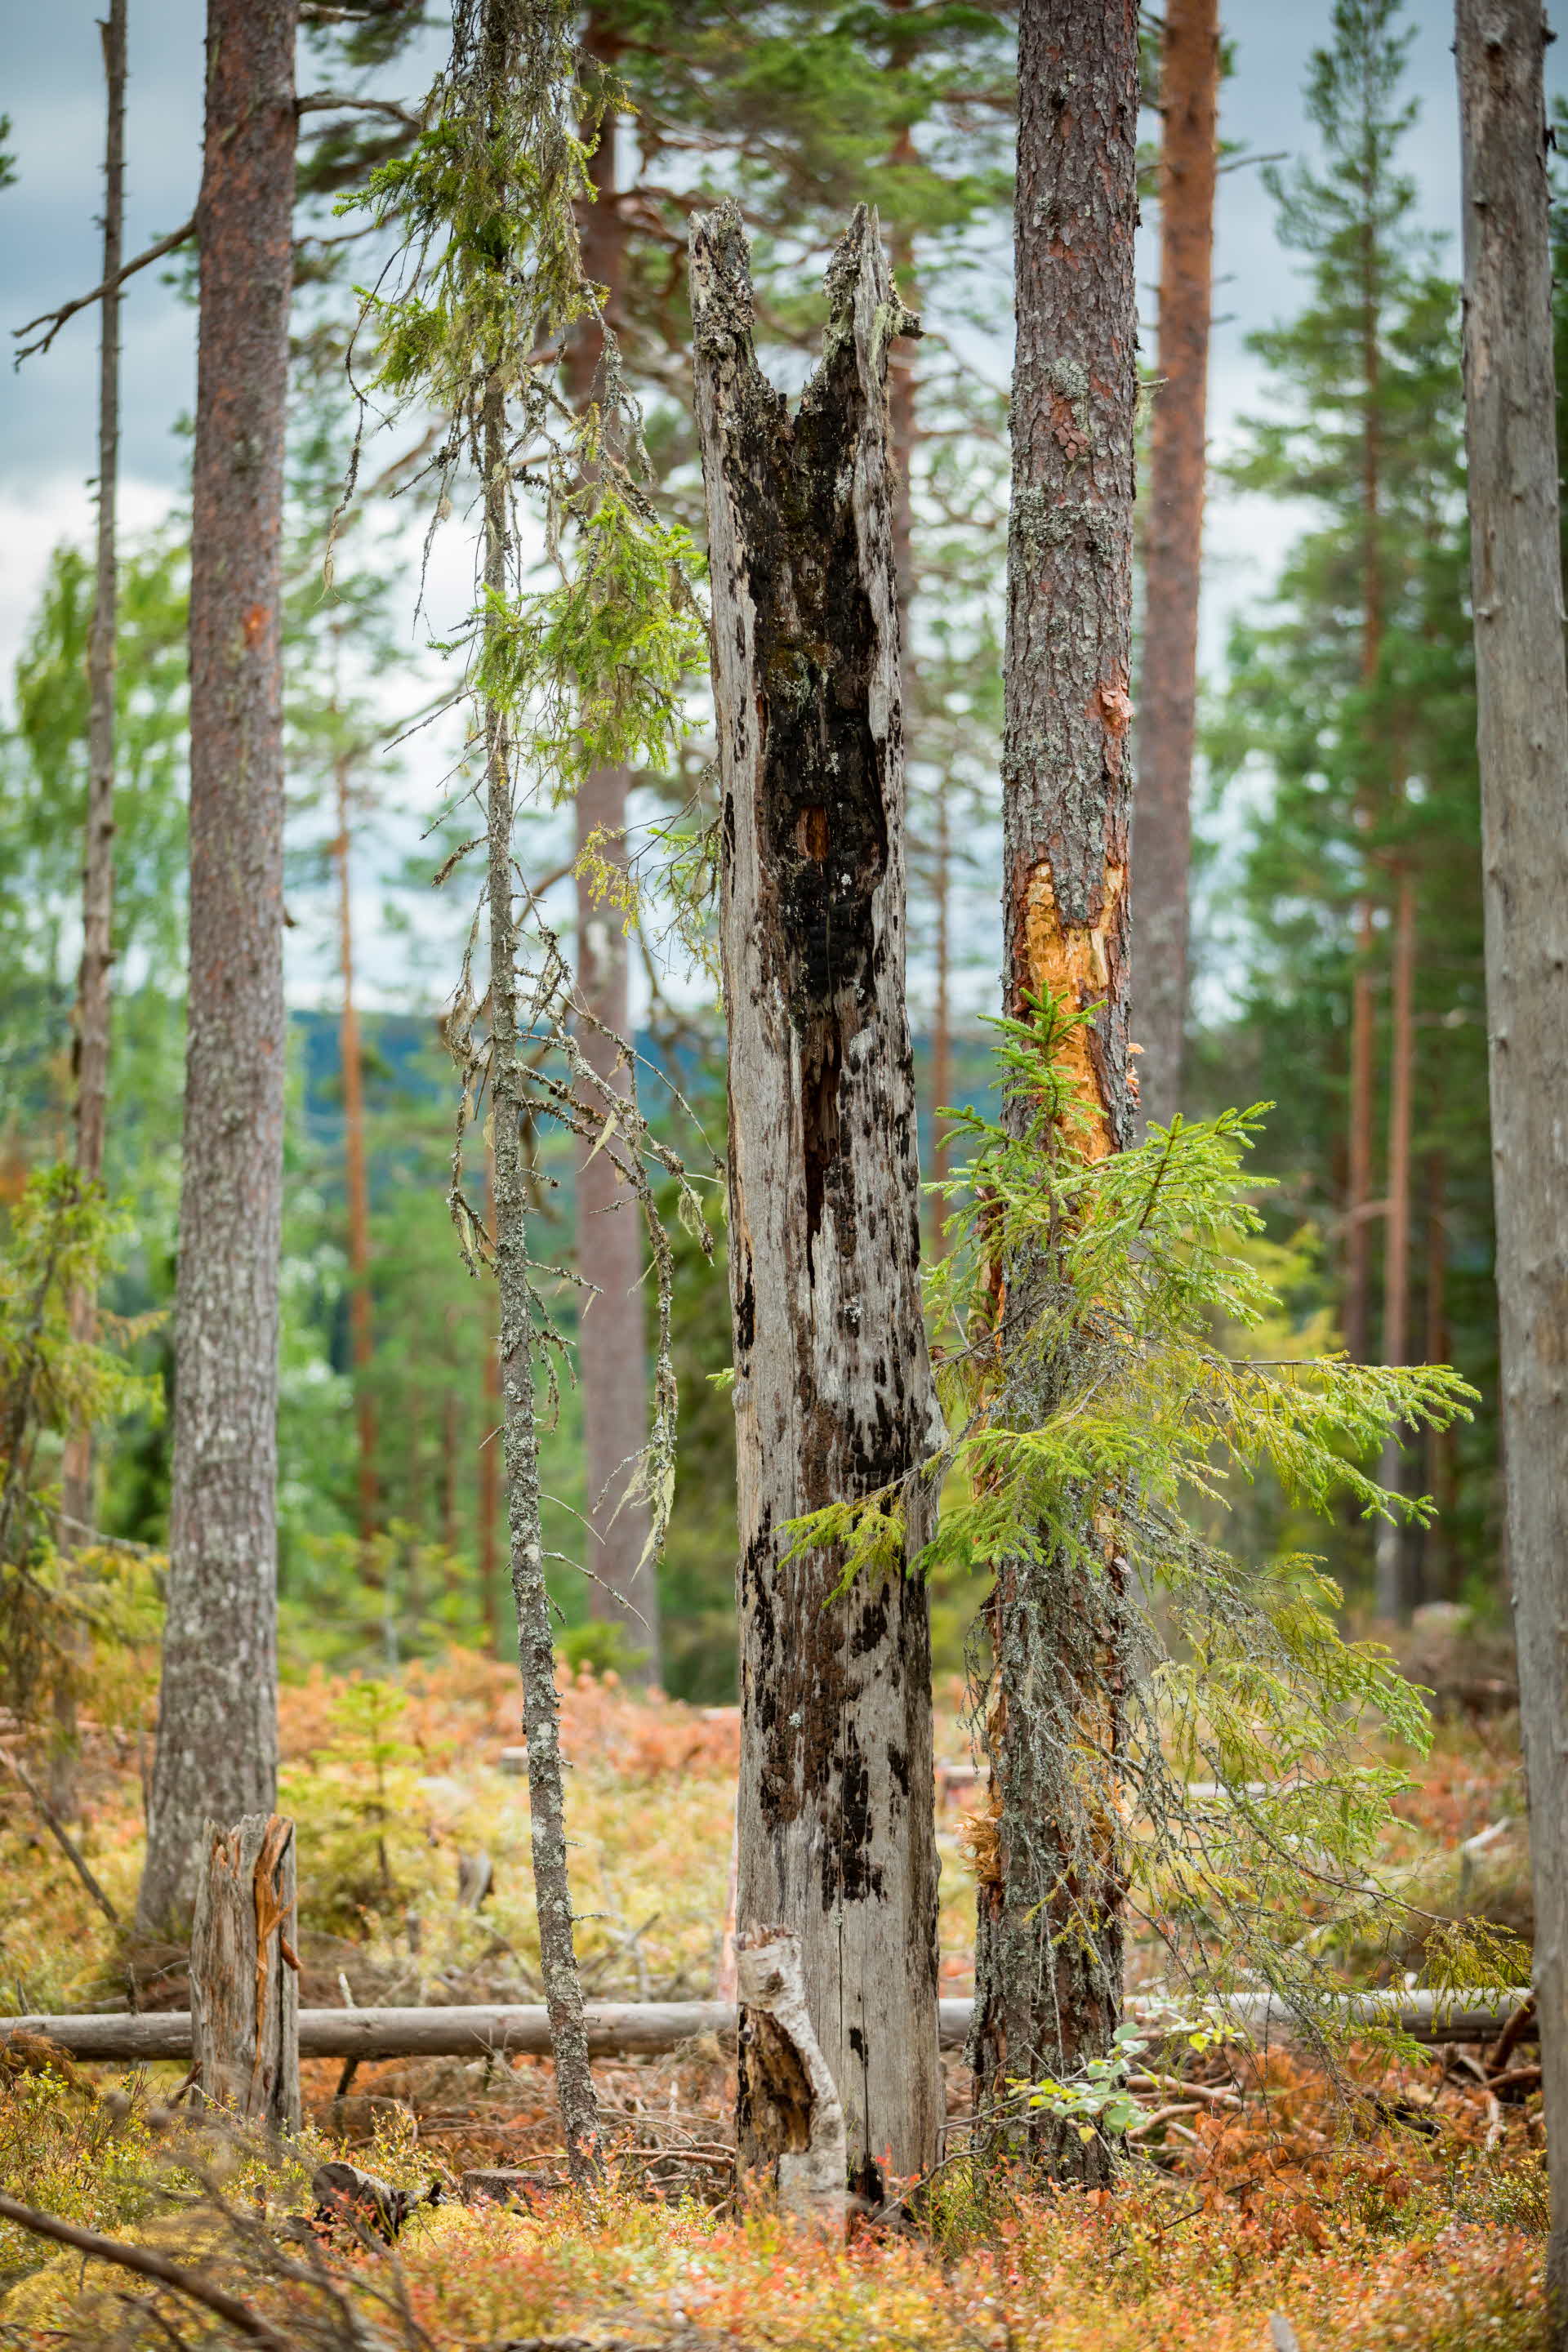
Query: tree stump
{"points": [[796, 2155], [245, 1974]]}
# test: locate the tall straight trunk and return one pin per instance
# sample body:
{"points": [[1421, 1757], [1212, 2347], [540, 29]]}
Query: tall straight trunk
{"points": [[833, 1390], [1523, 701], [1359, 1208], [490, 1456], [1393, 1599], [1162, 839], [218, 1705], [942, 1014], [1437, 1552], [95, 980], [362, 1336], [1048, 1955], [612, 1342], [536, 1644]]}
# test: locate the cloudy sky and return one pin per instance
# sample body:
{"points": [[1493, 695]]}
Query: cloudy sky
{"points": [[52, 83]]}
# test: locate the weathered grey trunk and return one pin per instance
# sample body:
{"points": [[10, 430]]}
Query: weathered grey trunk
{"points": [[833, 1390], [217, 1736], [1517, 582], [95, 980], [1162, 840], [1048, 1936], [612, 1343], [536, 1647], [244, 1973]]}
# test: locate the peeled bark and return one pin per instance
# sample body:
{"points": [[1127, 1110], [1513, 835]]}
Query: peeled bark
{"points": [[1162, 842], [611, 1340], [95, 981], [244, 1973], [1048, 1955], [833, 1392], [802, 2109], [218, 1732], [1523, 696]]}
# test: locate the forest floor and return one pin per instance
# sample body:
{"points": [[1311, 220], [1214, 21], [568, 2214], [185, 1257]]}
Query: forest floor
{"points": [[1404, 2204]]}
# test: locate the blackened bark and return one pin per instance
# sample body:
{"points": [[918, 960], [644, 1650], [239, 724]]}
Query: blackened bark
{"points": [[612, 1342], [833, 1390], [1049, 1941], [1162, 841], [217, 1738], [1522, 694], [536, 1645]]}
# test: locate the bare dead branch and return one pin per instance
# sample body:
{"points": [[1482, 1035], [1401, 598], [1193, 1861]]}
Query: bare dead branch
{"points": [[144, 2264], [55, 320]]}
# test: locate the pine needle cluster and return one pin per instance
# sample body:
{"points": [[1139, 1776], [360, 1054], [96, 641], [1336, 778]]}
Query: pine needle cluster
{"points": [[1095, 1429]]}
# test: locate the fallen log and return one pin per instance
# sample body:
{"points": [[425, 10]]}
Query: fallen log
{"points": [[653, 2029]]}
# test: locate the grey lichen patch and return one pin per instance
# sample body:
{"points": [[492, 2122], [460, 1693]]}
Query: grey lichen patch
{"points": [[1042, 524]]}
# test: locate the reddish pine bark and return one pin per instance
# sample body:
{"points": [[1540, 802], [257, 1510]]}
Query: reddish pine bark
{"points": [[217, 1740], [1189, 95], [1048, 1979], [362, 1336]]}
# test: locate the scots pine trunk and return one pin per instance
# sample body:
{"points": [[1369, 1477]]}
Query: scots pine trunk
{"points": [[1162, 842], [95, 981], [217, 1738], [1522, 697], [535, 1634], [1358, 1205], [1394, 1549], [612, 1342], [362, 1338], [1049, 1955], [833, 1390]]}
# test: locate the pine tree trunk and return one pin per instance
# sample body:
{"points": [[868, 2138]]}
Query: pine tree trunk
{"points": [[1359, 1208], [1047, 1982], [833, 1390], [1162, 839], [536, 1645], [361, 1334], [217, 1735], [490, 1456], [94, 985], [1439, 1580], [612, 1343], [1522, 695], [1392, 1598]]}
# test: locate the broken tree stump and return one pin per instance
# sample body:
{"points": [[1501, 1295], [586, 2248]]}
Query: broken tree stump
{"points": [[245, 1976], [794, 2150]]}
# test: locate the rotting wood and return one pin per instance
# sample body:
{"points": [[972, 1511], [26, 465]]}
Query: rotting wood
{"points": [[244, 2038], [653, 2029], [803, 2164], [833, 1393]]}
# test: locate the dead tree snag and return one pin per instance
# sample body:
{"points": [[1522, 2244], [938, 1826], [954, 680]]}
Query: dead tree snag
{"points": [[245, 1974], [833, 1390]]}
